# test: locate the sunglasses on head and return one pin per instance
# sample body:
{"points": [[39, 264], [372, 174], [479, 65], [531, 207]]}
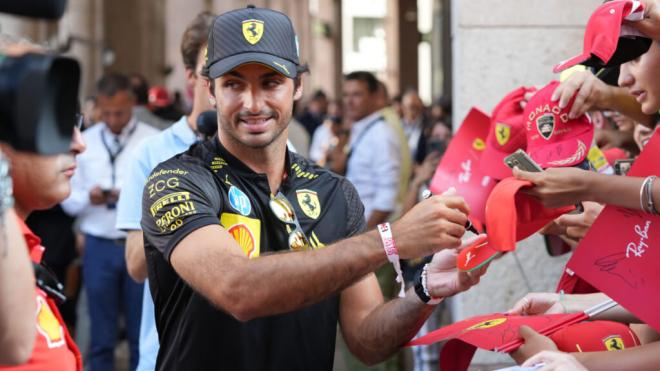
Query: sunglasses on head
{"points": [[283, 210]]}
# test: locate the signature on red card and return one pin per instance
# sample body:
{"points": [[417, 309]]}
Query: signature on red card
{"points": [[637, 250]]}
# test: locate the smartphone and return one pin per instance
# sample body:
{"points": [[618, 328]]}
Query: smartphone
{"points": [[621, 167], [521, 159], [435, 145]]}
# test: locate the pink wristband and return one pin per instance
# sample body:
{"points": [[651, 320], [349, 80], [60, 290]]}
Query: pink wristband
{"points": [[392, 254]]}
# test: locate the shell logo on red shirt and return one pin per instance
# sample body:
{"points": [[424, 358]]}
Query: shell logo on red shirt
{"points": [[48, 325]]}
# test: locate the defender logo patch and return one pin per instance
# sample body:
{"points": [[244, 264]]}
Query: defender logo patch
{"points": [[546, 125], [309, 203], [502, 133], [253, 29]]}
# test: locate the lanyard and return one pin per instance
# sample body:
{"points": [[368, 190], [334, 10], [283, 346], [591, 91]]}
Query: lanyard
{"points": [[120, 147], [361, 136]]}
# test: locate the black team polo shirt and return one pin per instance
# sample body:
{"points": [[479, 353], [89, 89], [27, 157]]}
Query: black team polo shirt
{"points": [[208, 185]]}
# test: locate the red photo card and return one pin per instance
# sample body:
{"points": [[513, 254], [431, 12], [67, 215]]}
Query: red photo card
{"points": [[620, 253], [459, 167]]}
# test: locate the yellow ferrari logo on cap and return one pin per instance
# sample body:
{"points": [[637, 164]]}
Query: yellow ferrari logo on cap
{"points": [[614, 342], [253, 29], [487, 324], [479, 144], [309, 203], [502, 133]]}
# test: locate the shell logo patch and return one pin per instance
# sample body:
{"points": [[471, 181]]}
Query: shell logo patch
{"points": [[487, 324], [253, 29], [243, 236], [48, 326], [246, 231]]}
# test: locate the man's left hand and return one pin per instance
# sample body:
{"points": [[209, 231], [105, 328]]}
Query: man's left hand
{"points": [[534, 343], [444, 279]]}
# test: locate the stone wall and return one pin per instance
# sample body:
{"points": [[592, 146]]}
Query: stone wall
{"points": [[499, 45]]}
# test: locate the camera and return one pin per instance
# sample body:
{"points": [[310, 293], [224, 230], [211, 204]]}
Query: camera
{"points": [[38, 92]]}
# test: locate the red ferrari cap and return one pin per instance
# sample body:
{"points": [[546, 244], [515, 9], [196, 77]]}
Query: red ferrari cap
{"points": [[594, 337], [512, 216], [607, 42], [476, 255], [506, 134], [554, 140]]}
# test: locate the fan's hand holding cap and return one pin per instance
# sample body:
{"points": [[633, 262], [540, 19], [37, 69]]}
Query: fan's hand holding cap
{"points": [[512, 216], [554, 140], [252, 35], [506, 134], [607, 41], [595, 336]]}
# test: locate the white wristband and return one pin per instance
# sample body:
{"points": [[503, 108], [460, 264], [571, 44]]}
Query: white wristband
{"points": [[392, 254]]}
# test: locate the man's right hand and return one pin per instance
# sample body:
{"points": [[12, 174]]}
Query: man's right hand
{"points": [[96, 196], [432, 225]]}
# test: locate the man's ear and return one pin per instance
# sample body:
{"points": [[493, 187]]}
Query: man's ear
{"points": [[211, 86], [299, 91], [190, 77]]}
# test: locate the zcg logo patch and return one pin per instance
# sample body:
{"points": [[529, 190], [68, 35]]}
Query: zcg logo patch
{"points": [[309, 203], [253, 29], [239, 201], [546, 125], [502, 133], [487, 324]]}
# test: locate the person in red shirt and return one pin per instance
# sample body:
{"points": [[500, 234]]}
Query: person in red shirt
{"points": [[40, 182]]}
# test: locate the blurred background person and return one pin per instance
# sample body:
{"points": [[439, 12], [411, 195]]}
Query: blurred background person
{"points": [[141, 110]]}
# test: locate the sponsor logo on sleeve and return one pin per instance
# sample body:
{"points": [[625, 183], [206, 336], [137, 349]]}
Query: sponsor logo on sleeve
{"points": [[246, 231], [239, 201], [172, 219]]}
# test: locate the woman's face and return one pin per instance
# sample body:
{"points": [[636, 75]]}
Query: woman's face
{"points": [[640, 77]]}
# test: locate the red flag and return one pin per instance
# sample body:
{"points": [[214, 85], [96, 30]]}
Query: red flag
{"points": [[459, 167], [620, 253]]}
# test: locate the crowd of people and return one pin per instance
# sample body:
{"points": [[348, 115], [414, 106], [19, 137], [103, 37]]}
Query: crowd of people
{"points": [[180, 242]]}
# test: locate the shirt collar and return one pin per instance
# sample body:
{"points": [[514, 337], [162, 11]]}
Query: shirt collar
{"points": [[240, 167], [183, 131], [125, 132], [33, 242]]}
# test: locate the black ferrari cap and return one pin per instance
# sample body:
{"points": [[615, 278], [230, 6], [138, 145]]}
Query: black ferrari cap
{"points": [[252, 35]]}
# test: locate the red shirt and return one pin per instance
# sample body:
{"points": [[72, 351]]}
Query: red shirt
{"points": [[54, 350]]}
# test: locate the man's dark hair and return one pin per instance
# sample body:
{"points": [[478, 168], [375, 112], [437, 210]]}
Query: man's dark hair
{"points": [[319, 95], [366, 77], [111, 84], [140, 88], [194, 38]]}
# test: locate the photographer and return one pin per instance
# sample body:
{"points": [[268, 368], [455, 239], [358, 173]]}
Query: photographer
{"points": [[40, 182], [17, 319], [95, 191]]}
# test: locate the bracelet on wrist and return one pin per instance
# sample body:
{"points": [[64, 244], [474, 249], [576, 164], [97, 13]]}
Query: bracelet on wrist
{"points": [[421, 287], [385, 231]]}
